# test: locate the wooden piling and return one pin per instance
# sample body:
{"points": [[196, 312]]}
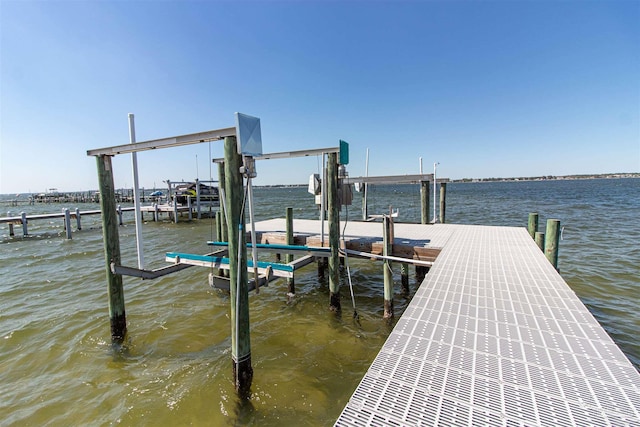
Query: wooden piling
{"points": [[119, 210], [67, 222], [189, 208], [221, 271], [404, 277], [111, 240], [289, 258], [322, 266], [424, 202], [240, 334], [421, 272], [387, 249], [175, 210], [223, 218], [551, 241], [365, 208], [78, 223], [443, 201], [532, 225], [218, 226], [11, 232], [540, 240], [25, 231], [334, 231]]}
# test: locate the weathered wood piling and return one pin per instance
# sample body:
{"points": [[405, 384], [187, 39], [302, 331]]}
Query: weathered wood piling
{"points": [[111, 240], [539, 238], [334, 231], [548, 242], [289, 257], [240, 334], [424, 202], [532, 224], [552, 239]]}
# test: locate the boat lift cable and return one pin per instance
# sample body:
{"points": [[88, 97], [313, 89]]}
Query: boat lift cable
{"points": [[254, 250], [210, 210], [237, 319], [346, 262]]}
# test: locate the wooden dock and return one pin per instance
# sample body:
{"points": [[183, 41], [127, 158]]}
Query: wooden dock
{"points": [[494, 336], [411, 241]]}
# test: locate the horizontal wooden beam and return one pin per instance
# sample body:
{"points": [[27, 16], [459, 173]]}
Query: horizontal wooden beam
{"points": [[174, 141], [371, 245]]}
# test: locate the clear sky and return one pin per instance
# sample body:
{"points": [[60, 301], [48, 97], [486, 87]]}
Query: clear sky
{"points": [[488, 89]]}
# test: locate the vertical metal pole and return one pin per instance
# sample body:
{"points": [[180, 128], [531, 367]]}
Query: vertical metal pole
{"points": [[240, 336], [136, 193], [111, 240], [443, 201], [189, 207], [156, 212], [197, 194], [435, 218], [532, 224], [365, 206], [254, 248], [552, 239], [334, 232], [323, 195]]}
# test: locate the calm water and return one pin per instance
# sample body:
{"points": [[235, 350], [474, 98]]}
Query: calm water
{"points": [[57, 365]]}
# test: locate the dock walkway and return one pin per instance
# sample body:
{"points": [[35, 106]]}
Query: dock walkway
{"points": [[495, 336]]}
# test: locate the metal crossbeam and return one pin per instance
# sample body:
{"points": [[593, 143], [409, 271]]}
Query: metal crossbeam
{"points": [[393, 179], [175, 141], [291, 154]]}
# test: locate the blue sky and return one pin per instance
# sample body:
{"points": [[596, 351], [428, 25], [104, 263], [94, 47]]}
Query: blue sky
{"points": [[488, 89]]}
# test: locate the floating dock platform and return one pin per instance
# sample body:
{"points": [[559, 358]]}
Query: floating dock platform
{"points": [[493, 336]]}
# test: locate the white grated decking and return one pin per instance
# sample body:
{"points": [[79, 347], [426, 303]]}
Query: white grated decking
{"points": [[494, 336]]}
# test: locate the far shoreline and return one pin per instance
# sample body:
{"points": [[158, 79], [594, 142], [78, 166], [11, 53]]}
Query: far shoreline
{"points": [[622, 175]]}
